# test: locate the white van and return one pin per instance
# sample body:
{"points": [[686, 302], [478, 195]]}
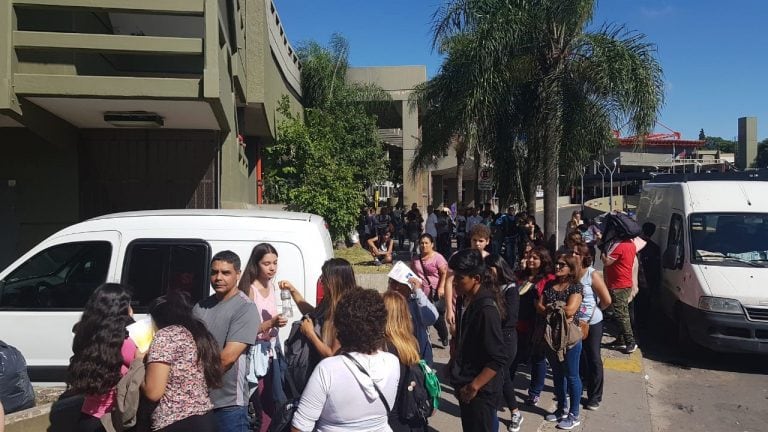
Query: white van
{"points": [[712, 233], [43, 292]]}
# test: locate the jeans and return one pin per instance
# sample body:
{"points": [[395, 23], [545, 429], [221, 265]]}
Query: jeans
{"points": [[479, 415], [232, 419], [565, 376], [440, 325], [538, 373], [592, 364], [510, 369]]}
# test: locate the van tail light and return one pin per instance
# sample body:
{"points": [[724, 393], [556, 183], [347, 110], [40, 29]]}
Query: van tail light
{"points": [[319, 291]]}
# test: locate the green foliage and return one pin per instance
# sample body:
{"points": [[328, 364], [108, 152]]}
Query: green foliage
{"points": [[305, 172], [761, 161], [322, 163], [724, 145], [537, 90]]}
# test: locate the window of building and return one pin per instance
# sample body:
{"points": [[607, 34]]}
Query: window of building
{"points": [[60, 277], [155, 267]]}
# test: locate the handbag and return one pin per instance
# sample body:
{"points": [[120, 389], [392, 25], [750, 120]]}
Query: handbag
{"points": [[433, 296]]}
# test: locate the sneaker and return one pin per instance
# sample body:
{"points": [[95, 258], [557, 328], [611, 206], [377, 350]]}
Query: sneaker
{"points": [[376, 262], [616, 345], [629, 349], [556, 416], [532, 400], [593, 405], [569, 422], [517, 420]]}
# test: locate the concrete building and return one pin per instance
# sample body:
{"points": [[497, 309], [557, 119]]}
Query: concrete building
{"points": [[115, 105], [398, 121]]}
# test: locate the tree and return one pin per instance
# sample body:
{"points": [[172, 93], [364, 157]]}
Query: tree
{"points": [[718, 143], [761, 161], [702, 135], [535, 62], [322, 163]]}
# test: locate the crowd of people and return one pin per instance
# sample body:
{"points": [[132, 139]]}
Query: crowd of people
{"points": [[502, 300]]}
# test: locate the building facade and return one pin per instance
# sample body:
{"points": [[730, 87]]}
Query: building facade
{"points": [[117, 105]]}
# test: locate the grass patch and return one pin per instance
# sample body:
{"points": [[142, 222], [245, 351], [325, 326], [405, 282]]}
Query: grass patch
{"points": [[361, 260]]}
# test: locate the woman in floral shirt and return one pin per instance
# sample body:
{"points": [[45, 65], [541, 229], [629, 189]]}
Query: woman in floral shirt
{"points": [[182, 364]]}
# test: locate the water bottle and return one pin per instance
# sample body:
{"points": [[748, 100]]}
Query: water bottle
{"points": [[286, 298]]}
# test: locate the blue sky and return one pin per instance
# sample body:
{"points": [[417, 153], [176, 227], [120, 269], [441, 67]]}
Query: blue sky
{"points": [[713, 52]]}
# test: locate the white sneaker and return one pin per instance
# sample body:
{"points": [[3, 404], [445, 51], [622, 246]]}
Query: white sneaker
{"points": [[517, 420]]}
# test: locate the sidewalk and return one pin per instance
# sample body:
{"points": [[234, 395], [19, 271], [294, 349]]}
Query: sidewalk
{"points": [[625, 399]]}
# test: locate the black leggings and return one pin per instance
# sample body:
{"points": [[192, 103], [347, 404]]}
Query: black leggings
{"points": [[591, 364], [440, 325], [510, 369], [196, 423], [88, 423]]}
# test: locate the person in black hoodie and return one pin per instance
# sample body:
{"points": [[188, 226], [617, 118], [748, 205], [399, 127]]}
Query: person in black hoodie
{"points": [[504, 278], [480, 352]]}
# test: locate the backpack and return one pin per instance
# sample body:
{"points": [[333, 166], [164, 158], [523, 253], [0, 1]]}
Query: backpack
{"points": [[16, 391], [418, 394], [618, 226]]}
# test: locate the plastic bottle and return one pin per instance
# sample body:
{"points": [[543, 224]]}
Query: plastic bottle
{"points": [[285, 297]]}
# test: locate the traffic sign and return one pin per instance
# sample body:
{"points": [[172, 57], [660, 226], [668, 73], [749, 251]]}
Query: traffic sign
{"points": [[485, 179]]}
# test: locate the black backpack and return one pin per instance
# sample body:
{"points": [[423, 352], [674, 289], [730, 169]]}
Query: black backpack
{"points": [[417, 395], [16, 391], [618, 226]]}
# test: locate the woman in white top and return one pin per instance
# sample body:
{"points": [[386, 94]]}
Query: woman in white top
{"points": [[596, 298], [353, 391]]}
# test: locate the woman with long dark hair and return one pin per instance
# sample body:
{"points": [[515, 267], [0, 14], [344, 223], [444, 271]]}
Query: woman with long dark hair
{"points": [[480, 355], [337, 278], [257, 283], [504, 278], [432, 268], [531, 280], [183, 362], [102, 352], [565, 289]]}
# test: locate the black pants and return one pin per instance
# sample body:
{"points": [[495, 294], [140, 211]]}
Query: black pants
{"points": [[591, 364], [197, 423], [440, 325], [479, 415], [89, 423], [510, 369]]}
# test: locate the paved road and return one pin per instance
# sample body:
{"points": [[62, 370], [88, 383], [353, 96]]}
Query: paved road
{"points": [[689, 391]]}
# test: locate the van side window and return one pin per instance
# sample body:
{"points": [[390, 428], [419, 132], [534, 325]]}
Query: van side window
{"points": [[154, 267], [60, 277], [674, 255]]}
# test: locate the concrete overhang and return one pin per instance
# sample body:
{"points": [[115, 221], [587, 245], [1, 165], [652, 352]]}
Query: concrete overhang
{"points": [[398, 81], [88, 113]]}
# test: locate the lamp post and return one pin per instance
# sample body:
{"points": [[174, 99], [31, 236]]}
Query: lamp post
{"points": [[611, 179]]}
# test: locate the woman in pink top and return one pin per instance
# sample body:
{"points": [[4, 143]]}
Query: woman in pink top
{"points": [[102, 352], [432, 268], [257, 283], [183, 363]]}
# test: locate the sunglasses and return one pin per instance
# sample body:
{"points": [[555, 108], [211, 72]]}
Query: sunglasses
{"points": [[560, 265]]}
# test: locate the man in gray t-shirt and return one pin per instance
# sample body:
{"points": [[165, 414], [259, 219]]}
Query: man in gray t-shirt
{"points": [[233, 320]]}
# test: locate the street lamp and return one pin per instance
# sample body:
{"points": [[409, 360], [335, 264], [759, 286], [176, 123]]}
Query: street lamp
{"points": [[611, 179]]}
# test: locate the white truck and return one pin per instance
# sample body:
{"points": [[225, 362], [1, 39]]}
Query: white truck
{"points": [[712, 233], [42, 294]]}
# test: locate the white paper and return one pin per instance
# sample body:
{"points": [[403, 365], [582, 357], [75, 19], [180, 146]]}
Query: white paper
{"points": [[402, 273], [142, 332]]}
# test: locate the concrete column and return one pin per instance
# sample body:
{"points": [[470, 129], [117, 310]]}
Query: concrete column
{"points": [[414, 190], [746, 152]]}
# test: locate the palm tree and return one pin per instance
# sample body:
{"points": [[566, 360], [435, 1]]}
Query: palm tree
{"points": [[579, 83]]}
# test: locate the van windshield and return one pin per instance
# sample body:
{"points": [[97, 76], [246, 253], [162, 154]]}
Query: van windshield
{"points": [[738, 239]]}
